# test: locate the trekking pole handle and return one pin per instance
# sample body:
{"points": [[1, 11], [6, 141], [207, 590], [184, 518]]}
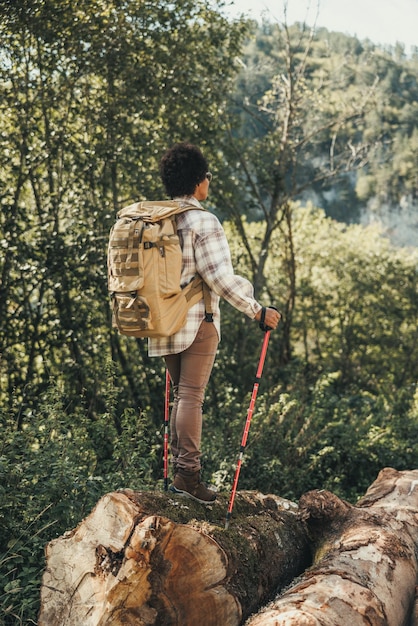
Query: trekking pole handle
{"points": [[262, 323]]}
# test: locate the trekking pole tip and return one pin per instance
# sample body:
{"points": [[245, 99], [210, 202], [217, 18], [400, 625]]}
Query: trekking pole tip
{"points": [[228, 515]]}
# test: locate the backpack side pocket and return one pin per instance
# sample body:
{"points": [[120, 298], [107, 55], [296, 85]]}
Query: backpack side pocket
{"points": [[125, 256]]}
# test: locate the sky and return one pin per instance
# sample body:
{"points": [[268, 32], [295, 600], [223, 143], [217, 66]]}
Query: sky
{"points": [[384, 22]]}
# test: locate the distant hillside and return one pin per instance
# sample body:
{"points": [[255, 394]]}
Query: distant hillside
{"points": [[384, 187]]}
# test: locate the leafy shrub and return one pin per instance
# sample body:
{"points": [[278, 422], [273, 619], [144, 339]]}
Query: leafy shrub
{"points": [[328, 439], [53, 472]]}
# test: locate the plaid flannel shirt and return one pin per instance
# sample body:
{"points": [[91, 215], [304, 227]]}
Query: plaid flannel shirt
{"points": [[206, 252]]}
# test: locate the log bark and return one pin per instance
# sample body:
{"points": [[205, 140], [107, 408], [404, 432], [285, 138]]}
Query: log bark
{"points": [[414, 617], [145, 559], [365, 565]]}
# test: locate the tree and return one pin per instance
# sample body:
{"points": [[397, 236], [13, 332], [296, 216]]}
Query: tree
{"points": [[93, 92], [342, 406], [300, 131]]}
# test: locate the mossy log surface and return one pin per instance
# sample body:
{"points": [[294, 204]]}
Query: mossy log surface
{"points": [[149, 558]]}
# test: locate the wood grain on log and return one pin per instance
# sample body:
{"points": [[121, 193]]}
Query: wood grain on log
{"points": [[365, 567], [144, 558], [414, 616]]}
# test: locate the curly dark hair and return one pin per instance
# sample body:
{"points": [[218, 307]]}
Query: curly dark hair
{"points": [[182, 168]]}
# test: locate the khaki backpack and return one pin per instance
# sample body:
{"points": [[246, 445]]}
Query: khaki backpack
{"points": [[144, 267]]}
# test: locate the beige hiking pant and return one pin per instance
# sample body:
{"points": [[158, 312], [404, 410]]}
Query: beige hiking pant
{"points": [[190, 372]]}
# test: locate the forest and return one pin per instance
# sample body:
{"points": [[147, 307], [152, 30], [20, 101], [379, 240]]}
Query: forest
{"points": [[312, 138]]}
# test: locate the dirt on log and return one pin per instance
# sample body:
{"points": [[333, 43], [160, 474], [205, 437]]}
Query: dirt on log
{"points": [[151, 559], [365, 565]]}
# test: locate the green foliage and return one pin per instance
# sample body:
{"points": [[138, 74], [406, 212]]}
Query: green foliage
{"points": [[345, 406], [92, 93], [326, 118], [342, 409], [341, 439], [53, 472]]}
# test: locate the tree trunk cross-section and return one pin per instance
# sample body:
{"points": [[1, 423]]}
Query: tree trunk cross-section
{"points": [[365, 567], [144, 558]]}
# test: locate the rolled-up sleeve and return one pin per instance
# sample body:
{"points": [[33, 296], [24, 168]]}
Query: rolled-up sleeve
{"points": [[213, 262]]}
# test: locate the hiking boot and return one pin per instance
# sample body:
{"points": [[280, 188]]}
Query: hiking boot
{"points": [[187, 483]]}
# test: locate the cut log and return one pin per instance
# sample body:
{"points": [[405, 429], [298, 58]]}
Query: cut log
{"points": [[365, 566], [414, 617], [144, 558]]}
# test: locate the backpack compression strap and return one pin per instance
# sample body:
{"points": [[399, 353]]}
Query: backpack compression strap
{"points": [[208, 304], [196, 287]]}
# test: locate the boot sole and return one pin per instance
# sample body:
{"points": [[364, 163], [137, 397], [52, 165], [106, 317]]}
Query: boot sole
{"points": [[186, 494]]}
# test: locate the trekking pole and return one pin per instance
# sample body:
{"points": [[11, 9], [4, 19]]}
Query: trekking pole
{"points": [[248, 421], [166, 419]]}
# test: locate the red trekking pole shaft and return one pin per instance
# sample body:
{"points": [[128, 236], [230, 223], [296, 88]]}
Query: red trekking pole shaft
{"points": [[166, 420], [247, 424]]}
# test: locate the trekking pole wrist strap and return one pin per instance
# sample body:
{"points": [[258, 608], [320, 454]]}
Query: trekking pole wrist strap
{"points": [[262, 323]]}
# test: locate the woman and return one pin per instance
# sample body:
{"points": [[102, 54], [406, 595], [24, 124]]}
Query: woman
{"points": [[190, 353]]}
